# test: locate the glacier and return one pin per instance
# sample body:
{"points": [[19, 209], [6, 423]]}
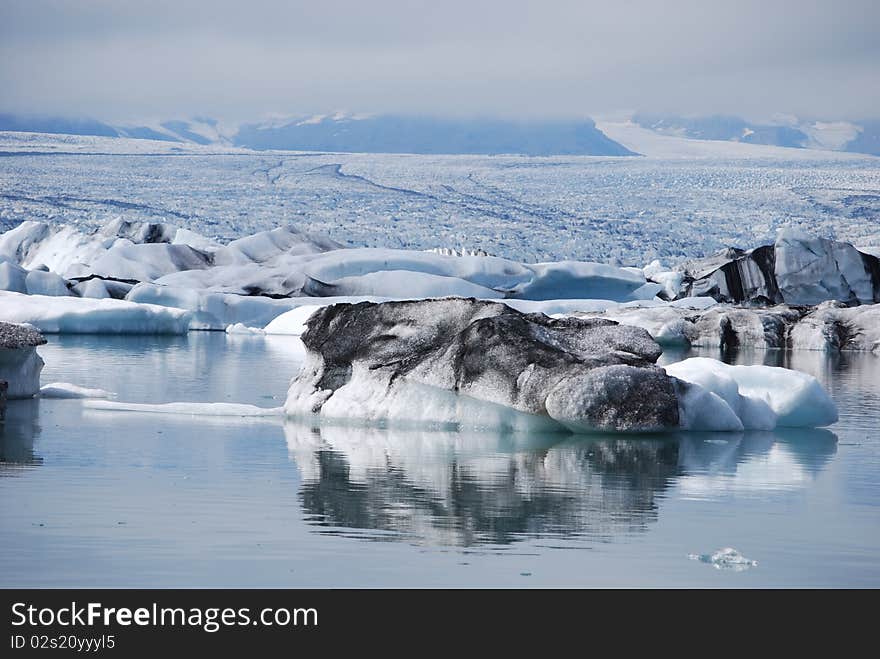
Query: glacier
{"points": [[681, 201]]}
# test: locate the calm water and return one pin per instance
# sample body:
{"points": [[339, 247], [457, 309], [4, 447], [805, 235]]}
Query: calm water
{"points": [[92, 498]]}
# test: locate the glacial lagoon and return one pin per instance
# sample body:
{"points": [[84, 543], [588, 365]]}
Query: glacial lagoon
{"points": [[123, 499]]}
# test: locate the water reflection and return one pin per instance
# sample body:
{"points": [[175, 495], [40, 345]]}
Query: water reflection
{"points": [[475, 489], [200, 366], [17, 433]]}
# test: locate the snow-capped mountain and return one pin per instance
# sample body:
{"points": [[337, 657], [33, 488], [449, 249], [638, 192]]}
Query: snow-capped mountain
{"points": [[401, 134], [354, 134], [787, 131], [197, 130]]}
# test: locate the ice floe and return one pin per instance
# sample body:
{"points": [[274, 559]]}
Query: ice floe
{"points": [[192, 409], [727, 558], [68, 390]]}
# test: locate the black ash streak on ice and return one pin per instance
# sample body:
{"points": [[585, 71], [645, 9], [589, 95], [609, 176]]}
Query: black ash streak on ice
{"points": [[67, 201], [490, 352]]}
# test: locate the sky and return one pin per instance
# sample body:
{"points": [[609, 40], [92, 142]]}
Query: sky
{"points": [[122, 59]]}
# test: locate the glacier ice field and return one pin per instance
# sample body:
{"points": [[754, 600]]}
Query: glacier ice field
{"points": [[621, 210]]}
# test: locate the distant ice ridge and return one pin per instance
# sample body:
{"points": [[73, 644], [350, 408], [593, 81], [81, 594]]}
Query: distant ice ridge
{"points": [[253, 280], [284, 262], [114, 280]]}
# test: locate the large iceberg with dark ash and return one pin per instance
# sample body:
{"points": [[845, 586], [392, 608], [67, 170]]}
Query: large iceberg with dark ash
{"points": [[830, 326], [797, 269], [462, 362]]}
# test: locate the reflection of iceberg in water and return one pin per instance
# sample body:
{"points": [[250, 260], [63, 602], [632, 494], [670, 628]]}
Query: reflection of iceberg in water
{"points": [[17, 434], [482, 488], [755, 463]]}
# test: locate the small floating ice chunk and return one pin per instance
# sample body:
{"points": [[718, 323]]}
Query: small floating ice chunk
{"points": [[67, 390], [193, 409], [727, 558], [241, 328]]}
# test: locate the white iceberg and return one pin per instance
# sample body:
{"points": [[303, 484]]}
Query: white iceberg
{"points": [[12, 277], [43, 282], [73, 315], [93, 288], [749, 397], [68, 390]]}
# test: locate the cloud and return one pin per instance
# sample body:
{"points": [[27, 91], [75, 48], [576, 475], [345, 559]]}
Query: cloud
{"points": [[120, 59]]}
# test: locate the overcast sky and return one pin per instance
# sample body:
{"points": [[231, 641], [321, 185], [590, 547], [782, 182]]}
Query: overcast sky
{"points": [[120, 59]]}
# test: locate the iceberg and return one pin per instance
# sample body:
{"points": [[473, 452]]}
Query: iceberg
{"points": [[749, 397], [147, 262], [425, 274], [830, 326], [798, 269], [811, 270], [833, 326], [727, 558], [293, 322], [20, 365], [73, 315], [43, 282], [285, 262], [93, 288], [68, 390], [243, 330], [467, 363], [12, 277]]}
